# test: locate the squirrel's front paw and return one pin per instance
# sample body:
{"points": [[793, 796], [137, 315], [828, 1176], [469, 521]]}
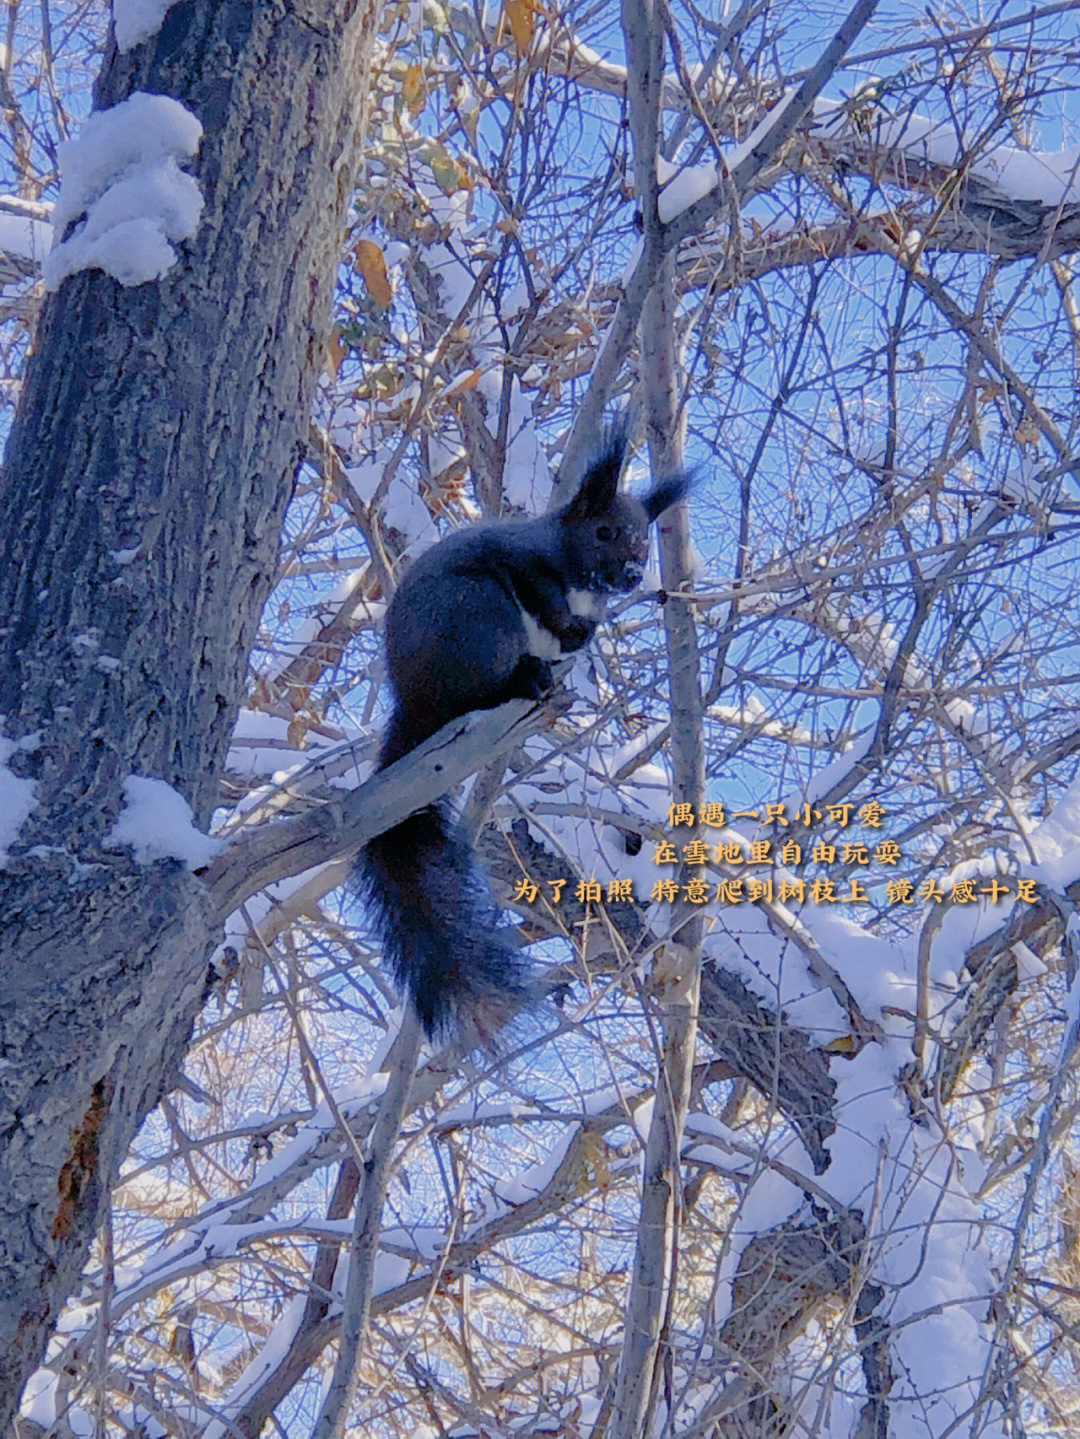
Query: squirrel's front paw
{"points": [[576, 634], [532, 678]]}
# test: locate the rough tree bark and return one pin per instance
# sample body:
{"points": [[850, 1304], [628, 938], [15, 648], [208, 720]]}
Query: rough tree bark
{"points": [[165, 418]]}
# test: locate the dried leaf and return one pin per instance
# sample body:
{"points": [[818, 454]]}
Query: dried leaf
{"points": [[413, 90], [521, 15], [842, 1044], [336, 350], [371, 264], [464, 383], [449, 176], [260, 697]]}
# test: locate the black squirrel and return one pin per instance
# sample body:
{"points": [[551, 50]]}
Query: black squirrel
{"points": [[478, 620]]}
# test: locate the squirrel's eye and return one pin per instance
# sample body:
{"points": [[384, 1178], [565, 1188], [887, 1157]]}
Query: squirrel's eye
{"points": [[605, 533]]}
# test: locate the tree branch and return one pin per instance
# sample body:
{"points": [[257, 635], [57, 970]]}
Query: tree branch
{"points": [[278, 850]]}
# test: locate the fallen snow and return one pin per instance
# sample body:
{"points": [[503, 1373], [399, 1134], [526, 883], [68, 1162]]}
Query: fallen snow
{"points": [[125, 192], [157, 823]]}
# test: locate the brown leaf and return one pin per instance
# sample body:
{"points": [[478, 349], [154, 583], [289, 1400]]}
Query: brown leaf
{"points": [[521, 15], [336, 350], [464, 383], [371, 264], [413, 90], [842, 1044]]}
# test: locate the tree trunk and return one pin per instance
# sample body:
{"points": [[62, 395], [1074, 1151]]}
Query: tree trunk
{"points": [[164, 419]]}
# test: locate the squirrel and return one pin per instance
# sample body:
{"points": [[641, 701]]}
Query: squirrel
{"points": [[477, 620]]}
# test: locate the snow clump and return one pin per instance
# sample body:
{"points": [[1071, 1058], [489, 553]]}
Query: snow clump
{"points": [[156, 821], [123, 185], [137, 20]]}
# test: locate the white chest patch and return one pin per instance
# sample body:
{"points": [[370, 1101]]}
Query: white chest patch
{"points": [[587, 604], [542, 643]]}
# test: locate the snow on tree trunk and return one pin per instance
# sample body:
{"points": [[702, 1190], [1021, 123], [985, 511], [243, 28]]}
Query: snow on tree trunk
{"points": [[147, 475]]}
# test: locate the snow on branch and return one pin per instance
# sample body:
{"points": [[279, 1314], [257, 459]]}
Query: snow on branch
{"points": [[125, 194], [138, 20]]}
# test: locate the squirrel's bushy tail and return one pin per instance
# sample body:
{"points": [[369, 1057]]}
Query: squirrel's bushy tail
{"points": [[438, 926]]}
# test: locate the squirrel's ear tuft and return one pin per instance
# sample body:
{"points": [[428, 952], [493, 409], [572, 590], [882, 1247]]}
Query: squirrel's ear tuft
{"points": [[600, 485], [668, 492]]}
